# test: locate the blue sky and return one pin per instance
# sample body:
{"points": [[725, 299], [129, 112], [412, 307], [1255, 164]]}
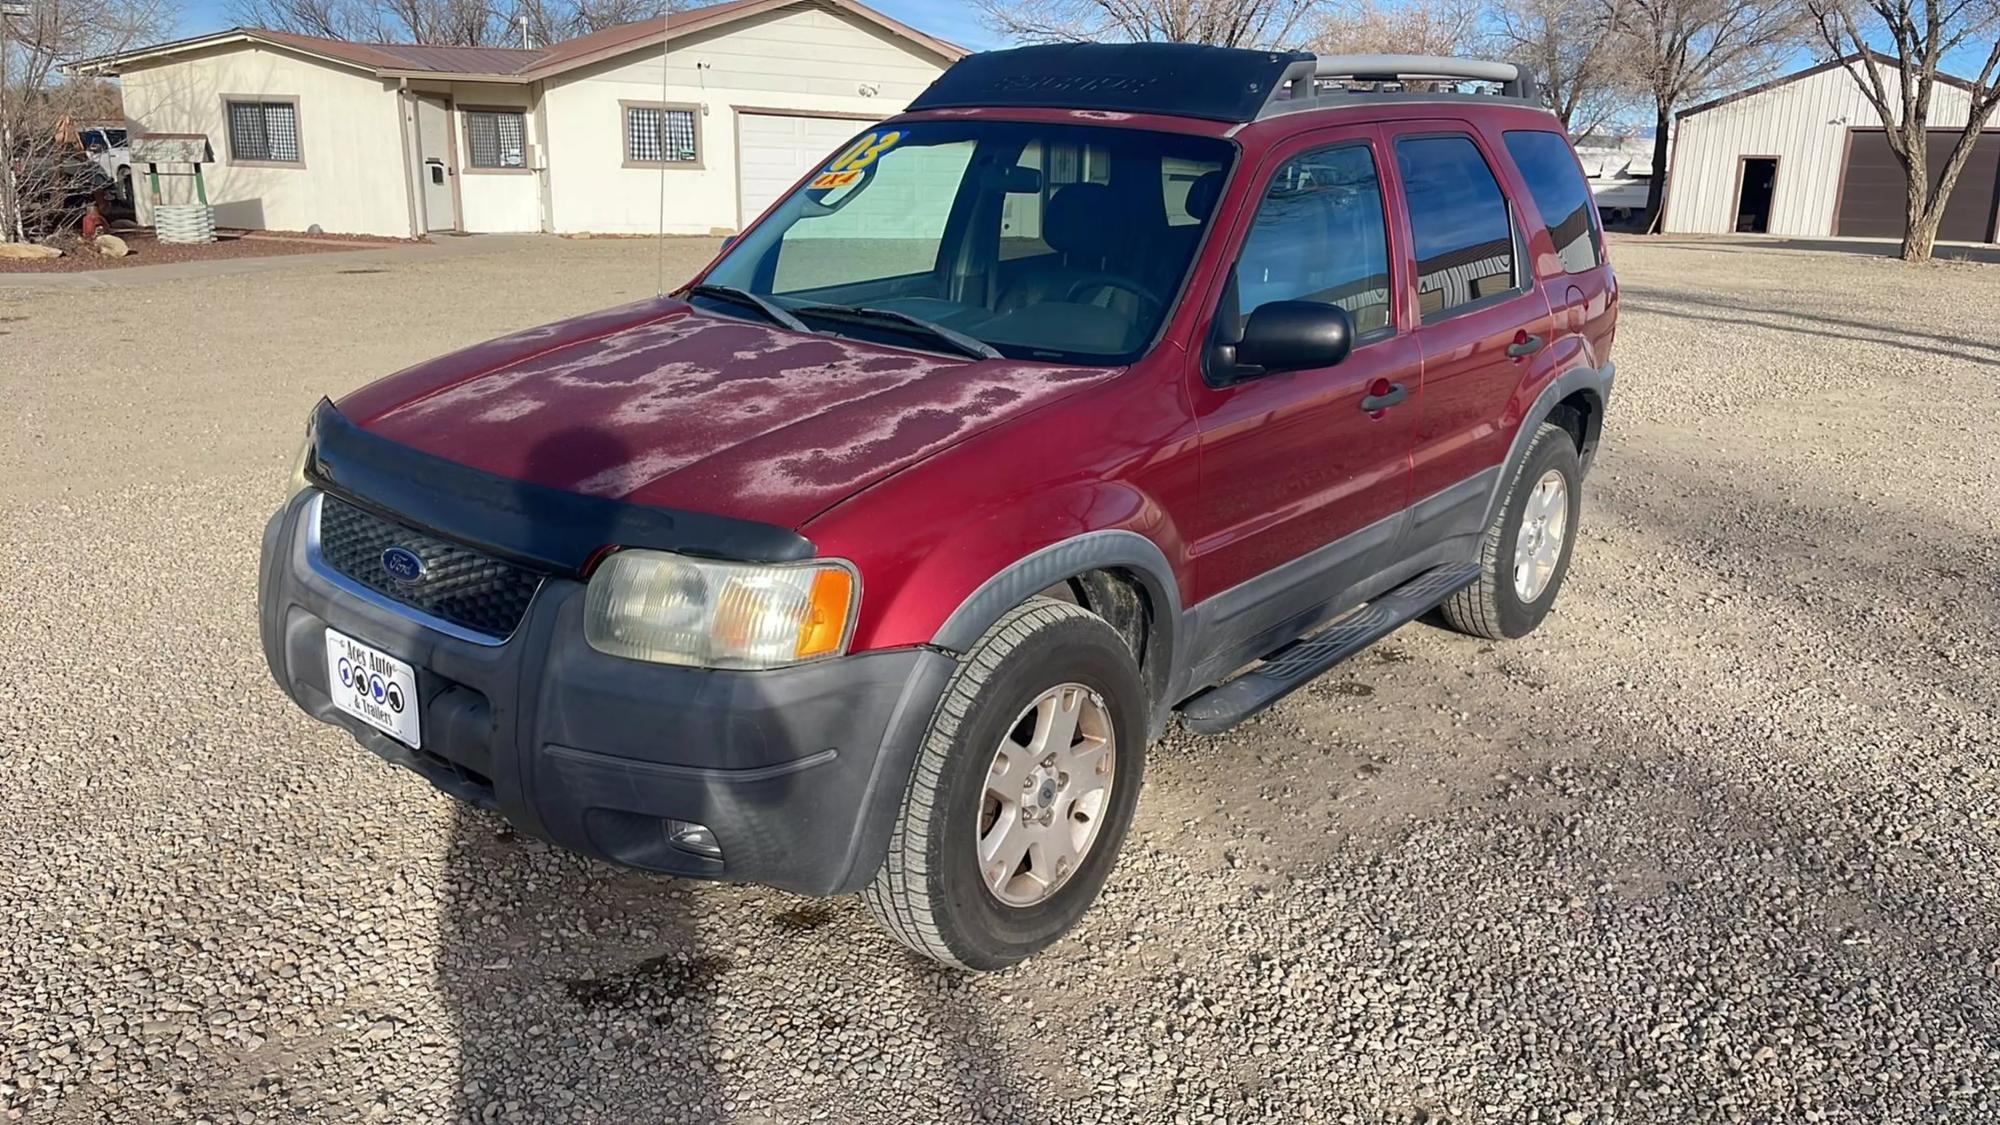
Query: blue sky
{"points": [[948, 19]]}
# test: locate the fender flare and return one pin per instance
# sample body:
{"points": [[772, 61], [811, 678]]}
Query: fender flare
{"points": [[1580, 378], [1126, 551]]}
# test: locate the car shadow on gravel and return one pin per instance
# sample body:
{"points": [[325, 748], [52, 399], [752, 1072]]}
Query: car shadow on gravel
{"points": [[576, 991]]}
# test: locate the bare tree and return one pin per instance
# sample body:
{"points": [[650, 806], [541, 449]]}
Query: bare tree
{"points": [[1406, 27], [445, 23], [1581, 67], [44, 168], [1923, 32], [328, 19], [569, 19], [1682, 49], [470, 23], [1222, 23]]}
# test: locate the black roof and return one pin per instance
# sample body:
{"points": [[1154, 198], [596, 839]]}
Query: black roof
{"points": [[1180, 79]]}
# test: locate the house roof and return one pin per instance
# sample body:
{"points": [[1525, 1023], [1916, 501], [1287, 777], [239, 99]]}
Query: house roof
{"points": [[508, 64], [1808, 72]]}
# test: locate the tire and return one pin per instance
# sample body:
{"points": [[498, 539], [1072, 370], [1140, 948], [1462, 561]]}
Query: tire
{"points": [[1494, 607], [931, 892]]}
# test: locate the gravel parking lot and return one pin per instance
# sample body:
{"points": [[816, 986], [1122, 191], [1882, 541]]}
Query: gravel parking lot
{"points": [[1718, 843]]}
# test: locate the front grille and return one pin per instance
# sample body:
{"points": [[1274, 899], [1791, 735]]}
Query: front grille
{"points": [[458, 584]]}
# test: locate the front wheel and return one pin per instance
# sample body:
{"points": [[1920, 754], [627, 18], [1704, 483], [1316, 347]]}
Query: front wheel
{"points": [[1021, 794], [1525, 552]]}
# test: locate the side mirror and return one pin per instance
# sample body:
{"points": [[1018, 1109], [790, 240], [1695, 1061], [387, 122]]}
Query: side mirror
{"points": [[729, 240], [1293, 335]]}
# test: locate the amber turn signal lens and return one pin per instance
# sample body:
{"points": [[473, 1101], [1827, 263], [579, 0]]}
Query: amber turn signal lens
{"points": [[825, 625]]}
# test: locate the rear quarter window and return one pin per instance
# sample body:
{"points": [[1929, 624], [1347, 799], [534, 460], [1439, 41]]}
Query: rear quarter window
{"points": [[1561, 195]]}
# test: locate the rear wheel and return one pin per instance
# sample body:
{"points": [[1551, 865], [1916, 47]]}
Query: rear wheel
{"points": [[1022, 793], [1526, 550]]}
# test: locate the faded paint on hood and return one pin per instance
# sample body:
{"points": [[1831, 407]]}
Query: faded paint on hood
{"points": [[662, 404]]}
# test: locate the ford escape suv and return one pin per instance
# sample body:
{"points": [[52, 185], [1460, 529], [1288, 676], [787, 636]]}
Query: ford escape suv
{"points": [[1106, 387]]}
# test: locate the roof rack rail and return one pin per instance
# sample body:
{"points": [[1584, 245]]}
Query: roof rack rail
{"points": [[1302, 79]]}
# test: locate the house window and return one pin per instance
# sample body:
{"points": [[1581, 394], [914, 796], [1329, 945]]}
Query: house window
{"points": [[496, 139], [264, 132], [661, 134]]}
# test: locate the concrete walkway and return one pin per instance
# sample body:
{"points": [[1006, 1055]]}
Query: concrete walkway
{"points": [[442, 249]]}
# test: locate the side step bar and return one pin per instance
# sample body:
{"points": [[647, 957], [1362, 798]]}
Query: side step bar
{"points": [[1304, 660]]}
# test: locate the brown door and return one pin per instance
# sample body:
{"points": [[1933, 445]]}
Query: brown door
{"points": [[1871, 192]]}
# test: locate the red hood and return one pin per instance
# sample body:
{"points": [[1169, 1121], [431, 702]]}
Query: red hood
{"points": [[665, 405]]}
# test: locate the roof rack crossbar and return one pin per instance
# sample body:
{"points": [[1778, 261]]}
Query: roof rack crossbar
{"points": [[1514, 81]]}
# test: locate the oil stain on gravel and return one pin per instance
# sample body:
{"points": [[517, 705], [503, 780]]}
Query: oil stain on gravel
{"points": [[804, 918], [652, 983]]}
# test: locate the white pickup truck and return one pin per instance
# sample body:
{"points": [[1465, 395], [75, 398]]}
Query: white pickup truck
{"points": [[109, 147]]}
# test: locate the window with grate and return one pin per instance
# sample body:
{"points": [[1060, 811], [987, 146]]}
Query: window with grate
{"points": [[660, 135], [496, 139], [266, 131]]}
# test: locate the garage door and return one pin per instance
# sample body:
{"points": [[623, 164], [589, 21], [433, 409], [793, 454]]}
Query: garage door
{"points": [[1871, 194], [773, 151]]}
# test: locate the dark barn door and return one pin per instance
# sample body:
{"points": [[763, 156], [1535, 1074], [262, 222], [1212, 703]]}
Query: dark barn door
{"points": [[1871, 194]]}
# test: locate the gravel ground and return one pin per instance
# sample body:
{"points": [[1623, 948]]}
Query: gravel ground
{"points": [[1715, 844]]}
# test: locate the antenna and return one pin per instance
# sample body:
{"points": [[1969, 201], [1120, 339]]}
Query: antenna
{"points": [[660, 235], [527, 44]]}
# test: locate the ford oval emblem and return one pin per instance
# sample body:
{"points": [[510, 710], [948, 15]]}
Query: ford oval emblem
{"points": [[403, 564]]}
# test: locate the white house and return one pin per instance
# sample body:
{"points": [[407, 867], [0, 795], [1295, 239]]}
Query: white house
{"points": [[1806, 155], [721, 107]]}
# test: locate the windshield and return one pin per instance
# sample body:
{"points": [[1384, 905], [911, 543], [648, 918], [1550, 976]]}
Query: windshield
{"points": [[1039, 241]]}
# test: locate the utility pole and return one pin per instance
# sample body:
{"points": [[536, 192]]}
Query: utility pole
{"points": [[11, 216]]}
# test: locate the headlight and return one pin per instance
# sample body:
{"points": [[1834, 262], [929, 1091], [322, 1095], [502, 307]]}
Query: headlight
{"points": [[671, 609], [299, 481]]}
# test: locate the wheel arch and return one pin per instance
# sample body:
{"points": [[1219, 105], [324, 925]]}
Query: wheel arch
{"points": [[1093, 560], [1574, 400]]}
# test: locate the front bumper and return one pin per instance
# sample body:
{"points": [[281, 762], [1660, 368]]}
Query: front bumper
{"points": [[798, 773]]}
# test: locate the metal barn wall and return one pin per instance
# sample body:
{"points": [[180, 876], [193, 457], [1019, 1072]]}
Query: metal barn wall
{"points": [[1804, 123]]}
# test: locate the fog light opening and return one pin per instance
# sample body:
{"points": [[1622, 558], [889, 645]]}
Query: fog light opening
{"points": [[694, 839]]}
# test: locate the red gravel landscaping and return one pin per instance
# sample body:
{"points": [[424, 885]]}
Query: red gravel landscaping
{"points": [[149, 251]]}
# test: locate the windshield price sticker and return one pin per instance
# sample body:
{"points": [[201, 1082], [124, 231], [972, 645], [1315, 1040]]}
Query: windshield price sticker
{"points": [[855, 159]]}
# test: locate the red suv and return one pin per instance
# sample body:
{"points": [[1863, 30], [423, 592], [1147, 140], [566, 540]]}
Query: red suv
{"points": [[1105, 384]]}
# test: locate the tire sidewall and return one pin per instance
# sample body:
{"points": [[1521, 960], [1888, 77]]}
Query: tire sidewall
{"points": [[1552, 450], [982, 931]]}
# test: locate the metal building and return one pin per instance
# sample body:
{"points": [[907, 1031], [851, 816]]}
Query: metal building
{"points": [[1806, 155]]}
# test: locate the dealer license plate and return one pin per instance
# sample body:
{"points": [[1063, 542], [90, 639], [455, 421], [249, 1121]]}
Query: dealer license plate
{"points": [[374, 687]]}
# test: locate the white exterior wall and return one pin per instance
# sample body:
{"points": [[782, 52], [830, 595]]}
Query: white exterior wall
{"points": [[354, 180], [801, 59], [1805, 124], [492, 200]]}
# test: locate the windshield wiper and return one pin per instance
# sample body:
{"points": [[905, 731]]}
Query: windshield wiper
{"points": [[952, 337], [775, 313]]}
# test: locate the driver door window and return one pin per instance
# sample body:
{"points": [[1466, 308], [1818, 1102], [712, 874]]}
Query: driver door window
{"points": [[888, 225], [1320, 236]]}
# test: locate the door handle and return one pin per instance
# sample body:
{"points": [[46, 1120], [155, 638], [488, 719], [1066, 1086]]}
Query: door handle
{"points": [[1525, 345], [1380, 397]]}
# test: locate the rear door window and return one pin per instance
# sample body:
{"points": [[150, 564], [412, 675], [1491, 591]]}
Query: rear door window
{"points": [[1556, 183], [1460, 222], [1319, 235]]}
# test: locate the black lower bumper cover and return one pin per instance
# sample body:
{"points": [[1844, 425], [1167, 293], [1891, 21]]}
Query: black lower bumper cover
{"points": [[799, 772]]}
